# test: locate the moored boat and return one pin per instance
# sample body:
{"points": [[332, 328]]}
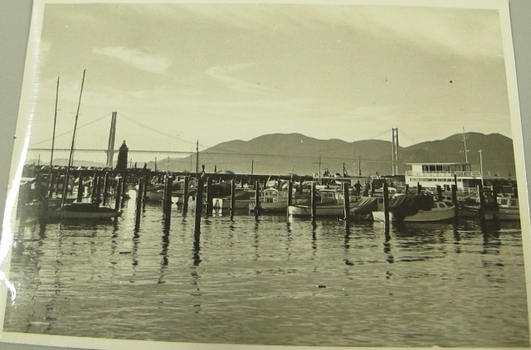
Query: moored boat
{"points": [[508, 208], [330, 203], [271, 201], [413, 208]]}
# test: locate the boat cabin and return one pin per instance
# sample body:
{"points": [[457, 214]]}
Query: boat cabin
{"points": [[431, 175]]}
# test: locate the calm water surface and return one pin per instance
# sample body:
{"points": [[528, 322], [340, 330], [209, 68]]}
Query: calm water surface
{"points": [[270, 281]]}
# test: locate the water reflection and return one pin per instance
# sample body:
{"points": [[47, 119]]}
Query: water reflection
{"points": [[197, 249], [359, 264]]}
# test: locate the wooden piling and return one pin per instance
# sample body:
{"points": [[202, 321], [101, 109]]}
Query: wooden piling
{"points": [[80, 189], [185, 194], [147, 177], [118, 197], [209, 204], [314, 202], [257, 206], [97, 197], [386, 207], [139, 202], [168, 182], [455, 201], [199, 204], [105, 187], [124, 188], [346, 200], [52, 184], [290, 193], [232, 196], [481, 196]]}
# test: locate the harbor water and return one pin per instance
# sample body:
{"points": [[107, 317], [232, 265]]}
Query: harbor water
{"points": [[272, 280]]}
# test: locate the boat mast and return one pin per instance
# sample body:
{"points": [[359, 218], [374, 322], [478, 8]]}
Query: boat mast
{"points": [[53, 140], [70, 158], [197, 159], [464, 143]]}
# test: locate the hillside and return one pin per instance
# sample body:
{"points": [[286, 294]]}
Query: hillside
{"points": [[297, 153], [284, 153]]}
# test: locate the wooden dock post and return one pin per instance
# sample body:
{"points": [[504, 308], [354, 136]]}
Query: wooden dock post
{"points": [[346, 200], [257, 206], [232, 197], [199, 204], [51, 184], [80, 188], [139, 202], [97, 197], [439, 193], [209, 203], [168, 182], [147, 177], [386, 207], [124, 188], [105, 187], [314, 202], [164, 194], [290, 193], [455, 201], [481, 202], [185, 194], [118, 196]]}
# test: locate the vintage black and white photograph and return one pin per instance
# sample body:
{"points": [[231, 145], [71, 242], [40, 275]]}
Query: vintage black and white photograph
{"points": [[277, 173]]}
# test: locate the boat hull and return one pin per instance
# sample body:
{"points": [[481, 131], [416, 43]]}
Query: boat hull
{"points": [[435, 215], [75, 211], [432, 215], [324, 210]]}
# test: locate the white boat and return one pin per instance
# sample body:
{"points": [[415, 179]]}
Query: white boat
{"points": [[330, 203], [508, 208], [439, 211], [431, 175], [242, 198], [271, 201]]}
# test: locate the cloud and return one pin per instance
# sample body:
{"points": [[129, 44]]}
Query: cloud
{"points": [[465, 32], [136, 58], [225, 73]]}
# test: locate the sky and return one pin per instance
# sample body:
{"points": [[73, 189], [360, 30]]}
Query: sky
{"points": [[181, 73]]}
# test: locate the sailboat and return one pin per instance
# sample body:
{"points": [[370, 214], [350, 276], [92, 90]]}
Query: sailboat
{"points": [[75, 210]]}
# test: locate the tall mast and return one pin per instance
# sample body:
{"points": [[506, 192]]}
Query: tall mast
{"points": [[112, 137], [71, 156], [464, 143], [53, 138], [197, 159], [54, 122]]}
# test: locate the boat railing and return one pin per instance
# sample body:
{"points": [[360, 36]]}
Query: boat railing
{"points": [[435, 174]]}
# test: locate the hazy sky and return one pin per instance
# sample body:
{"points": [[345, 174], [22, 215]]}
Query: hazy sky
{"points": [[177, 73]]}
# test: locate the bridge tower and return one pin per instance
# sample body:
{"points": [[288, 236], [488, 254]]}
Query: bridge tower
{"points": [[394, 158], [112, 136]]}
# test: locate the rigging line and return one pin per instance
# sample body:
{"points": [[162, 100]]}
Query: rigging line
{"points": [[155, 130], [70, 131], [408, 137], [380, 134]]}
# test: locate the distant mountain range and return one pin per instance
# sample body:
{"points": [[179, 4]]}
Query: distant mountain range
{"points": [[286, 153]]}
